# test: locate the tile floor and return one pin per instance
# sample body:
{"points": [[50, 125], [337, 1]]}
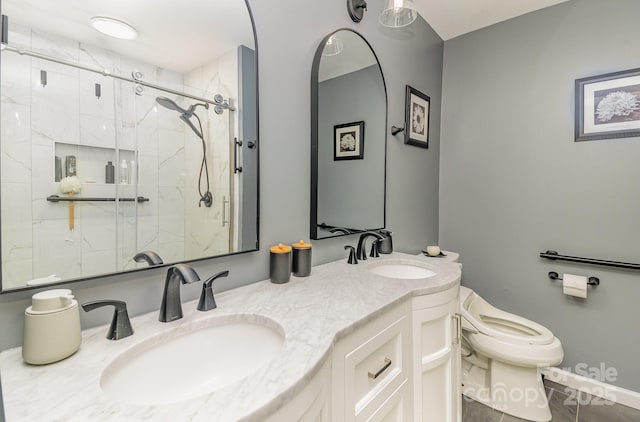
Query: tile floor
{"points": [[566, 405]]}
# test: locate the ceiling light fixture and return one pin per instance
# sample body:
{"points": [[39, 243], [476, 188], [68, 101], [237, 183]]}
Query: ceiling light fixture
{"points": [[398, 13], [113, 27]]}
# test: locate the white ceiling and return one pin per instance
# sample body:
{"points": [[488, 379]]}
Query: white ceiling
{"points": [[451, 18], [178, 35], [183, 35]]}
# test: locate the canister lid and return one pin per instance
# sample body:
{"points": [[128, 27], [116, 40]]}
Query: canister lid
{"points": [[50, 301], [280, 248], [302, 245]]}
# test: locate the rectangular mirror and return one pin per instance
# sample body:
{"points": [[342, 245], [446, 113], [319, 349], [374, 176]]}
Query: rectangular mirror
{"points": [[115, 144]]}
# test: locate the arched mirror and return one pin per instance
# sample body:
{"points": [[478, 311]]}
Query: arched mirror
{"points": [[348, 137], [126, 127]]}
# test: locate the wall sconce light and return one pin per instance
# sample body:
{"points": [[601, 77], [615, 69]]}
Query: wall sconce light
{"points": [[98, 90], [356, 9], [398, 13], [43, 78], [395, 13]]}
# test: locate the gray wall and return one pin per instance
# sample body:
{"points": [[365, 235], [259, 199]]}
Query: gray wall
{"points": [[514, 183], [287, 40], [351, 192]]}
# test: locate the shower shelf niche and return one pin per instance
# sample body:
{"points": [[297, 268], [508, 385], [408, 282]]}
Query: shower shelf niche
{"points": [[91, 161]]}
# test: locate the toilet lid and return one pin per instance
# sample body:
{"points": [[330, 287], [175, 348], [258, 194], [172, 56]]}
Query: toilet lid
{"points": [[494, 322]]}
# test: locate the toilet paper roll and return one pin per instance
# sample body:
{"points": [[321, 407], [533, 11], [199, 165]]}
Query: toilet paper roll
{"points": [[574, 285]]}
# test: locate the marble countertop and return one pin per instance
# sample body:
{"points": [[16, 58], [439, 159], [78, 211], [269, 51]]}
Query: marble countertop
{"points": [[314, 312]]}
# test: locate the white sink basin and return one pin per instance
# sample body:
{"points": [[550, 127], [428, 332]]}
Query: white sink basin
{"points": [[192, 361], [403, 270]]}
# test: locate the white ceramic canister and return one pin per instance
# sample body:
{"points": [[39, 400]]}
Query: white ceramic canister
{"points": [[51, 327]]}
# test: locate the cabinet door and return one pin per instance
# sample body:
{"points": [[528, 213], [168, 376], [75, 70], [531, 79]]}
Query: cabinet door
{"points": [[312, 404], [396, 408], [371, 364], [436, 363]]}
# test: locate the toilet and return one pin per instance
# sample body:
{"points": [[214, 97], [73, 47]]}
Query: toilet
{"points": [[502, 355]]}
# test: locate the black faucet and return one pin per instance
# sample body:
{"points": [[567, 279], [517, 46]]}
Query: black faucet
{"points": [[171, 306], [120, 324], [207, 302], [362, 252], [150, 257]]}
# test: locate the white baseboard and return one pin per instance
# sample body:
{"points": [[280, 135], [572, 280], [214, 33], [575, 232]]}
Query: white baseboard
{"points": [[594, 387]]}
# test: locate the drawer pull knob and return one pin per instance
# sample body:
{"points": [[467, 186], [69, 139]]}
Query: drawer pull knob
{"points": [[387, 363]]}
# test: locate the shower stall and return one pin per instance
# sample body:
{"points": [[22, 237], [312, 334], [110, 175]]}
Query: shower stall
{"points": [[174, 133]]}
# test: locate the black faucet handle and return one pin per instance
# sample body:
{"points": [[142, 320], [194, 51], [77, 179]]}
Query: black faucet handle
{"points": [[207, 302], [352, 254], [374, 250], [208, 282], [120, 324]]}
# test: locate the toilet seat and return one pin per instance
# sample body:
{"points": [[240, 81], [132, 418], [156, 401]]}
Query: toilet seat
{"points": [[518, 354], [481, 317]]}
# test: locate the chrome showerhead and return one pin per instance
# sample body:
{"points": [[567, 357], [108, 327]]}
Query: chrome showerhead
{"points": [[170, 104], [186, 116]]}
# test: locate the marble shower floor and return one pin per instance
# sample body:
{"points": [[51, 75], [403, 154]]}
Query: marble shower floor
{"points": [[566, 404]]}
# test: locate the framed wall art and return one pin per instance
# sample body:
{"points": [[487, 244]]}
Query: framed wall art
{"points": [[348, 141], [608, 106], [416, 118]]}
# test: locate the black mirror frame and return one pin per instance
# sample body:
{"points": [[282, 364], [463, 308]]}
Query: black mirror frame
{"points": [[313, 222], [257, 247]]}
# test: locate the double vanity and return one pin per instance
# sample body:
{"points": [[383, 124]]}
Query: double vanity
{"points": [[373, 341]]}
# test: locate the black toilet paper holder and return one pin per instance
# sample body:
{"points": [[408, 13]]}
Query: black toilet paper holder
{"points": [[591, 281]]}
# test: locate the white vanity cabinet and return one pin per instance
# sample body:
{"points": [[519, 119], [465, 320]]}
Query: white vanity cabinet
{"points": [[436, 357], [372, 369], [378, 349], [313, 404]]}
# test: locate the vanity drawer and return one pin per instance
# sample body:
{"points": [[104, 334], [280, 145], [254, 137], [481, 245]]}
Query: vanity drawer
{"points": [[375, 364]]}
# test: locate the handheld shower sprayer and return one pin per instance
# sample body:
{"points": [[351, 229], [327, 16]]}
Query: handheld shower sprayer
{"points": [[185, 116]]}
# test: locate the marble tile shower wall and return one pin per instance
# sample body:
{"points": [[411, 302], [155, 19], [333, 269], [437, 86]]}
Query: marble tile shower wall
{"points": [[67, 117], [207, 229]]}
